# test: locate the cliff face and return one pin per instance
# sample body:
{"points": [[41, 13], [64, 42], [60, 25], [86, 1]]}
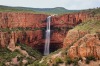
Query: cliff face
{"points": [[69, 20], [59, 27], [13, 20], [82, 44]]}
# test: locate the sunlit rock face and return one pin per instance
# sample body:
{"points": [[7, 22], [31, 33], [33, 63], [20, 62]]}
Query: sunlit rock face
{"points": [[82, 44], [13, 20]]}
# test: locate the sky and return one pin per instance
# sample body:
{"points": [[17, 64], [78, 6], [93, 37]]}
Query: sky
{"points": [[68, 4]]}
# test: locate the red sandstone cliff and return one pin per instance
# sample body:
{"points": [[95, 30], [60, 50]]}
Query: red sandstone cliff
{"points": [[82, 44], [35, 38], [13, 20]]}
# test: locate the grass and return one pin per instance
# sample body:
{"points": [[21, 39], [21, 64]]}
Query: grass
{"points": [[58, 60], [36, 63], [20, 29], [91, 26], [31, 52], [6, 55]]}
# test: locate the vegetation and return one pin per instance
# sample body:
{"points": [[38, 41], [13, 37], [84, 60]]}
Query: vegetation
{"points": [[69, 61], [31, 52], [91, 26], [58, 60], [90, 58], [94, 12], [36, 63], [20, 29], [6, 55], [57, 10]]}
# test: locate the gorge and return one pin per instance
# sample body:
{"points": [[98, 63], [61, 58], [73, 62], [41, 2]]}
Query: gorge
{"points": [[30, 28], [21, 31]]}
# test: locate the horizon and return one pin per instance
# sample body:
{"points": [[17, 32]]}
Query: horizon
{"points": [[49, 7], [75, 5]]}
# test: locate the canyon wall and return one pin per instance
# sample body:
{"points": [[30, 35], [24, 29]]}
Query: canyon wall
{"points": [[82, 44], [14, 20], [35, 37]]}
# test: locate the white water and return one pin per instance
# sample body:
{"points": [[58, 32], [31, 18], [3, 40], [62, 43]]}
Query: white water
{"points": [[47, 40]]}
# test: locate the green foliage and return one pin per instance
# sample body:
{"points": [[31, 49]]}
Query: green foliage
{"points": [[58, 60], [90, 58], [94, 12], [74, 61], [91, 26], [31, 52], [13, 9], [68, 60], [20, 29], [57, 10], [36, 63], [6, 55], [2, 64]]}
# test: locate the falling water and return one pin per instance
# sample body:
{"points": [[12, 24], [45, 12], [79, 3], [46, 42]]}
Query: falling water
{"points": [[47, 41]]}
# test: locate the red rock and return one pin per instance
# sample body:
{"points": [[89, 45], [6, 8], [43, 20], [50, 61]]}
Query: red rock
{"points": [[14, 20], [2, 40], [33, 38], [84, 46], [72, 36], [11, 45]]}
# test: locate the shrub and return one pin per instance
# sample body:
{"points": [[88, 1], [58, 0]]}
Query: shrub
{"points": [[36, 63], [75, 61], [68, 60], [89, 58], [58, 60], [31, 52], [72, 61], [55, 64]]}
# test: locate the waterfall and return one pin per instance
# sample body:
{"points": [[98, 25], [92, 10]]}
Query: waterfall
{"points": [[47, 40]]}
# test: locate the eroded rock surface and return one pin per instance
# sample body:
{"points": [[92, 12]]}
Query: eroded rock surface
{"points": [[82, 44]]}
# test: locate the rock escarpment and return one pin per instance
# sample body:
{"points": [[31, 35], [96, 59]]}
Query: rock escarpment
{"points": [[82, 44], [13, 20], [30, 28]]}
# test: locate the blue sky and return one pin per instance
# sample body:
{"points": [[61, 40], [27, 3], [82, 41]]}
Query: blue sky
{"points": [[68, 4]]}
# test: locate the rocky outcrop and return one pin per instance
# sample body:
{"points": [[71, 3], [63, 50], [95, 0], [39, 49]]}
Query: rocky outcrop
{"points": [[28, 37], [82, 44], [72, 37], [11, 45], [69, 20], [31, 38]]}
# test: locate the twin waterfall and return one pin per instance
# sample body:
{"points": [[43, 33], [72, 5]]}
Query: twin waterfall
{"points": [[47, 40]]}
